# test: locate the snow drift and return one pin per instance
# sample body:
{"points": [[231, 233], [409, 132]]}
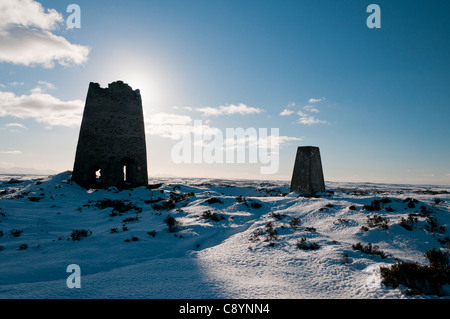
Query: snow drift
{"points": [[197, 238]]}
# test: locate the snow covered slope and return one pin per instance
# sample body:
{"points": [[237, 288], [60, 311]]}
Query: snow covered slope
{"points": [[196, 238]]}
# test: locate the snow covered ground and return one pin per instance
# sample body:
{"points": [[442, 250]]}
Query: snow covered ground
{"points": [[227, 238]]}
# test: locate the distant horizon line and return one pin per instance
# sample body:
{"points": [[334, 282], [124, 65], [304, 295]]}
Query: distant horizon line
{"points": [[241, 179]]}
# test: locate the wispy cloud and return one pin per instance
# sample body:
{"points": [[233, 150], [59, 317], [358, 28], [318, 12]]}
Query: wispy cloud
{"points": [[305, 115], [186, 108], [42, 87], [11, 152], [311, 108], [307, 118], [259, 142], [241, 109], [313, 100], [280, 140], [26, 36], [46, 85], [15, 125], [13, 84]]}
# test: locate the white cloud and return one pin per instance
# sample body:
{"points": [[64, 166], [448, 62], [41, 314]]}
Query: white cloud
{"points": [[25, 36], [286, 112], [241, 109], [44, 108], [11, 152], [312, 100], [30, 47], [27, 13], [309, 119]]}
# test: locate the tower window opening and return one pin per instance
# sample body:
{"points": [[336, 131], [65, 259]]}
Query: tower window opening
{"points": [[98, 175], [126, 166]]}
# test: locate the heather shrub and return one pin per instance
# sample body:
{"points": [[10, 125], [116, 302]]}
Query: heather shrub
{"points": [[130, 219], [214, 200], [79, 234], [294, 222], [255, 205], [376, 221], [172, 224], [374, 206], [254, 237], [212, 216], [303, 244], [408, 223], [370, 249], [118, 206], [420, 279], [16, 232], [277, 215], [433, 226]]}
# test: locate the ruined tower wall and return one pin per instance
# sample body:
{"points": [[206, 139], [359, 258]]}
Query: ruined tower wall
{"points": [[112, 136]]}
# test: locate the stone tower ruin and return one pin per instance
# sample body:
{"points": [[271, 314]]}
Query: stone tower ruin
{"points": [[111, 148], [307, 177]]}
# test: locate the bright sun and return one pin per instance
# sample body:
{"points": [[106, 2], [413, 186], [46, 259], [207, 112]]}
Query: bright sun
{"points": [[138, 74], [145, 85]]}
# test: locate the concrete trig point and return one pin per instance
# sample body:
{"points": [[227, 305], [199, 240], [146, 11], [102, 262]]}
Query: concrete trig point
{"points": [[111, 148], [307, 177]]}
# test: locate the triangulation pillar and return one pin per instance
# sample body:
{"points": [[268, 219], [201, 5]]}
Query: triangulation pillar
{"points": [[307, 177]]}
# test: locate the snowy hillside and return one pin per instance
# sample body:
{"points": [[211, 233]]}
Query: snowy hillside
{"points": [[188, 238]]}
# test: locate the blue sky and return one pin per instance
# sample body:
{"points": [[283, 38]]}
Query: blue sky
{"points": [[376, 101]]}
